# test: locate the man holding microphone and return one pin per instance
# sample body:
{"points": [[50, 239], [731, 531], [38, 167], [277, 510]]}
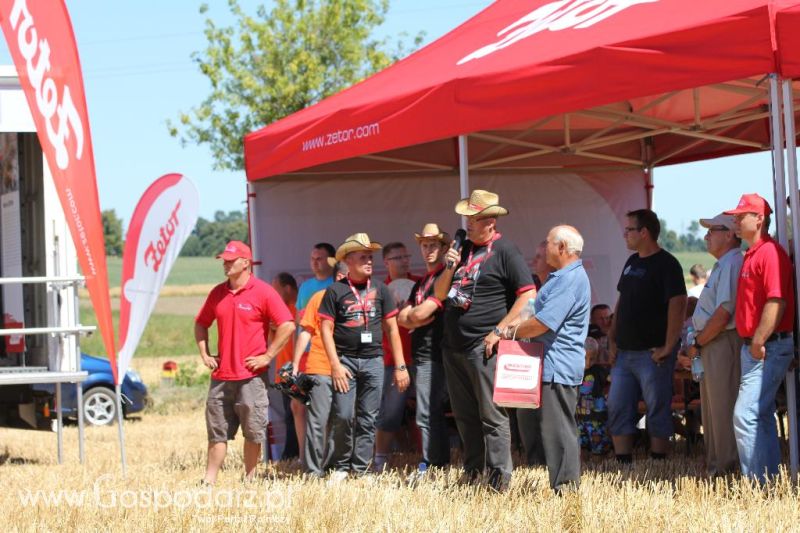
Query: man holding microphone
{"points": [[484, 286]]}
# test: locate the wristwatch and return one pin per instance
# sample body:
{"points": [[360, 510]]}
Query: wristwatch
{"points": [[497, 331], [696, 344], [401, 368]]}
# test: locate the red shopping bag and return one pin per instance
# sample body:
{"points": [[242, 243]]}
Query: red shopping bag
{"points": [[518, 375]]}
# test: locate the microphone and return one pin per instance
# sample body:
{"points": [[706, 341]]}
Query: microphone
{"points": [[458, 242]]}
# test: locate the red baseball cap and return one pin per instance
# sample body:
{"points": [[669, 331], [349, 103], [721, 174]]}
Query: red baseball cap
{"points": [[234, 250], [751, 203]]}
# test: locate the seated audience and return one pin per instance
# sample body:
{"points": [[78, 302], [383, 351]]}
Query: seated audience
{"points": [[591, 413]]}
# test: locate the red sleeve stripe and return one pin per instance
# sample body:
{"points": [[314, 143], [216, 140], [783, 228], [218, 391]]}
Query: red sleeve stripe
{"points": [[437, 301], [393, 313], [323, 316], [526, 288]]}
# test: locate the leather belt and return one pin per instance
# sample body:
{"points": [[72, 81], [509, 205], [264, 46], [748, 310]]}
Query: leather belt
{"points": [[774, 337]]}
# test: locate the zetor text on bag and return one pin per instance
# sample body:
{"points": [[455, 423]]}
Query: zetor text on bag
{"points": [[518, 375]]}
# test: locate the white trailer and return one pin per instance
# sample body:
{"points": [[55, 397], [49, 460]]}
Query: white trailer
{"points": [[39, 277]]}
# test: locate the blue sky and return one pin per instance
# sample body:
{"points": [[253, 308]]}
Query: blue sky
{"points": [[138, 73]]}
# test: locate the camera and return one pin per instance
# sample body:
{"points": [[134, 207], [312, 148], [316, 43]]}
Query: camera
{"points": [[297, 387], [459, 299]]}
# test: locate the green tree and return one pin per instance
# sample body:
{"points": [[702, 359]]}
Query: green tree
{"points": [[112, 232], [689, 241], [271, 65], [209, 237], [668, 239]]}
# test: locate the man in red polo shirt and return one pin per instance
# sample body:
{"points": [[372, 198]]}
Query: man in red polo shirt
{"points": [[243, 307], [764, 319]]}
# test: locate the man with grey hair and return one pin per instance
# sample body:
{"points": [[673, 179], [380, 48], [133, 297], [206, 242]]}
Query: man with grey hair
{"points": [[561, 323], [719, 345]]}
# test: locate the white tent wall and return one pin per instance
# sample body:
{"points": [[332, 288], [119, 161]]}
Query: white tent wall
{"points": [[291, 213]]}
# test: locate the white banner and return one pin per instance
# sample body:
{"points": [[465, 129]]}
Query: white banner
{"points": [[161, 223]]}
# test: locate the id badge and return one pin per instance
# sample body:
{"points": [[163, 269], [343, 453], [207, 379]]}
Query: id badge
{"points": [[366, 337]]}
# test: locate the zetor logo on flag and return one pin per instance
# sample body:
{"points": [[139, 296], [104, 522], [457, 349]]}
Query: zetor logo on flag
{"points": [[160, 224], [154, 254], [47, 91], [555, 16]]}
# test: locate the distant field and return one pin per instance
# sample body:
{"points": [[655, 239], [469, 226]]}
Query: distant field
{"points": [[165, 335], [186, 271]]}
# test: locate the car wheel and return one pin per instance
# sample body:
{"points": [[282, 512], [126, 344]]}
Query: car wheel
{"points": [[99, 406]]}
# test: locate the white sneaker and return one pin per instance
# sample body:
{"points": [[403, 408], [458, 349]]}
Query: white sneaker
{"points": [[337, 476]]}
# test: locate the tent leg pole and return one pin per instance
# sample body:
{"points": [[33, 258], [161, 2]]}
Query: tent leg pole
{"points": [[463, 171], [120, 431], [59, 425], [253, 229], [794, 203], [779, 179]]}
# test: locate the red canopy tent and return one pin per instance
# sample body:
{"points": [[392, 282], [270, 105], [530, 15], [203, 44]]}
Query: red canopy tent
{"points": [[572, 88], [787, 22], [576, 92], [518, 62]]}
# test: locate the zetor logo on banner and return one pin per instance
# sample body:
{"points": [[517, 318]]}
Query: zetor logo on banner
{"points": [[154, 254], [68, 118], [555, 16]]}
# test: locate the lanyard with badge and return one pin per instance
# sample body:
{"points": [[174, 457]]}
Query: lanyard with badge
{"points": [[366, 335]]}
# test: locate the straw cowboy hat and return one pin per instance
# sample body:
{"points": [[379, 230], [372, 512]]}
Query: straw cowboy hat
{"points": [[482, 203], [431, 231], [357, 242]]}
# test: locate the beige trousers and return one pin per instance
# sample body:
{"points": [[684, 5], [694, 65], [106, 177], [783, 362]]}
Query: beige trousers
{"points": [[718, 390]]}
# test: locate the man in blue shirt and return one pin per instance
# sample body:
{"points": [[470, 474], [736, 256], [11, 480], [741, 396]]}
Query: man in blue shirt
{"points": [[561, 323], [322, 265], [322, 271]]}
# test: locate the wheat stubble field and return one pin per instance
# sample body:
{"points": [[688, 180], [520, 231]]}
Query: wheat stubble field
{"points": [[166, 457]]}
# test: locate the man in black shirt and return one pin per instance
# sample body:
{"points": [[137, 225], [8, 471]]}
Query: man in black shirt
{"points": [[354, 312], [423, 316], [484, 287], [643, 338]]}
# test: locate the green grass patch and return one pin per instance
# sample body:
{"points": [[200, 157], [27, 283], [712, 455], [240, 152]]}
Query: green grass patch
{"points": [[164, 335], [687, 259], [185, 271]]}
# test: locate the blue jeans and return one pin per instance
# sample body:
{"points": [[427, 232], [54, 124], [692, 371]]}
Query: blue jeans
{"points": [[754, 413], [429, 383], [393, 403], [635, 375]]}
